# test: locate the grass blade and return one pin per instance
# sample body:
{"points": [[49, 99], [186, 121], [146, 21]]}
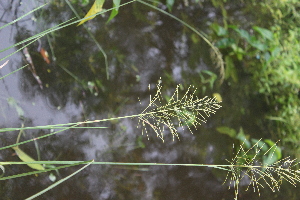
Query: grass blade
{"points": [[10, 23], [59, 182], [13, 72], [26, 158], [68, 164]]}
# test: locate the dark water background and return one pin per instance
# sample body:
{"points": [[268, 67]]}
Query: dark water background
{"points": [[142, 45]]}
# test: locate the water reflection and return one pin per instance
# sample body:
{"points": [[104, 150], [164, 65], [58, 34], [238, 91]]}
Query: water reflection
{"points": [[142, 46]]}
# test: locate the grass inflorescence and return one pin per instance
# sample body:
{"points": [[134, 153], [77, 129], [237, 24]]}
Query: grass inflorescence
{"points": [[247, 170], [187, 111]]}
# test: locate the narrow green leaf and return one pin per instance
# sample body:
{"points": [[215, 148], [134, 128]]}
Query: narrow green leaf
{"points": [[69, 164], [13, 72], [115, 11], [170, 4], [59, 182], [26, 158], [16, 20]]}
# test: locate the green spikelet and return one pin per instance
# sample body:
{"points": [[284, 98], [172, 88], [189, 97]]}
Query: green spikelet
{"points": [[187, 111], [249, 171]]}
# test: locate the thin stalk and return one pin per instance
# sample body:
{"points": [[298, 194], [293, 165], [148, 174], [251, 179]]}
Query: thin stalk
{"points": [[58, 126], [46, 170], [14, 21], [223, 167], [13, 71], [59, 182]]}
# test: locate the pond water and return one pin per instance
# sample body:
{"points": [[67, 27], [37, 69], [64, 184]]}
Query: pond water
{"points": [[142, 46]]}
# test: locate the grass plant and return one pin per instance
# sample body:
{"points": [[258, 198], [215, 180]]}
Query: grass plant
{"points": [[163, 116], [188, 111]]}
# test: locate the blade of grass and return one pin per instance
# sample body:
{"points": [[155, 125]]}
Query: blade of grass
{"points": [[13, 72], [52, 29], [40, 137], [223, 167], [44, 127], [14, 21], [70, 164], [26, 158], [59, 182]]}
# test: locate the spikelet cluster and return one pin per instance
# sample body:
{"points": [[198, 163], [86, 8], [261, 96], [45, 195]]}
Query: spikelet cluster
{"points": [[186, 111], [246, 170]]}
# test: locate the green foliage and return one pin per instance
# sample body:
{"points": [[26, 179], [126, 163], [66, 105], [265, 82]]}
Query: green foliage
{"points": [[271, 57], [247, 168], [114, 12], [264, 150], [170, 4]]}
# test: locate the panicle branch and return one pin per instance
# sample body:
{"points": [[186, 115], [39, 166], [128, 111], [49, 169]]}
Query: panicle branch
{"points": [[247, 170], [187, 111]]}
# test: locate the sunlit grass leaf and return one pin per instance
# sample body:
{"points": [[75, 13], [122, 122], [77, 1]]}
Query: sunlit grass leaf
{"points": [[96, 7], [26, 158], [114, 12]]}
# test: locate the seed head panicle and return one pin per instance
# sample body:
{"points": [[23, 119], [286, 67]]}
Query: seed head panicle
{"points": [[187, 111], [247, 170]]}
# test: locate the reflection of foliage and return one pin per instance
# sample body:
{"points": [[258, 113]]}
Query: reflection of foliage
{"points": [[187, 111]]}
